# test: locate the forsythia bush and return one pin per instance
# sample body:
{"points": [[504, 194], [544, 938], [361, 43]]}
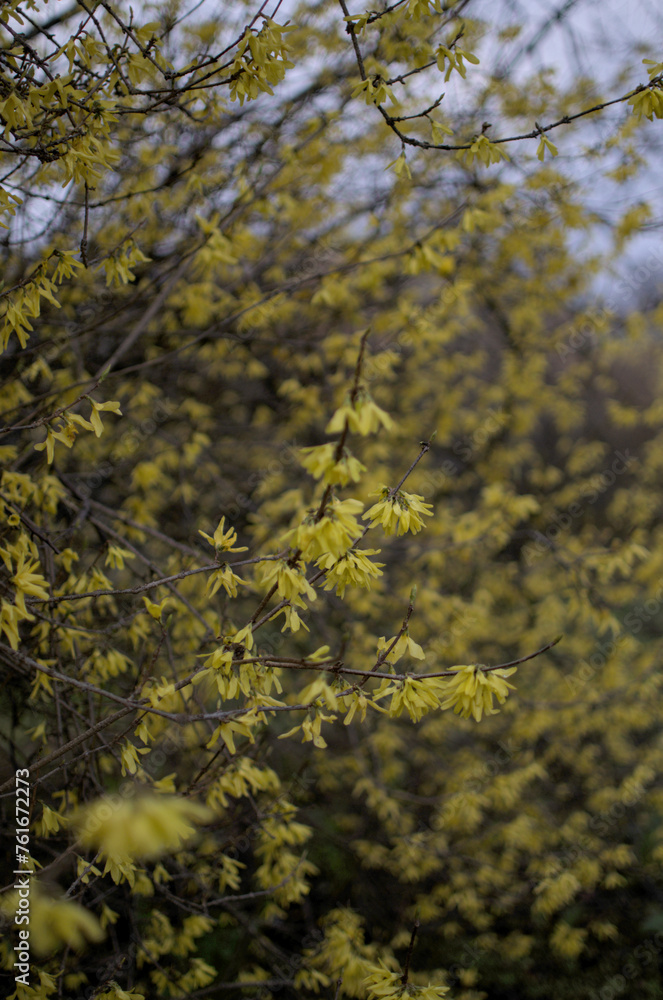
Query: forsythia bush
{"points": [[331, 452]]}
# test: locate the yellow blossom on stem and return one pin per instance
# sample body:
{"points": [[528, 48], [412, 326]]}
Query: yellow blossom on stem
{"points": [[333, 533], [144, 827], [112, 406], [292, 620], [322, 463], [66, 435], [471, 690], [416, 696], [403, 645], [363, 416], [647, 103], [290, 582], [155, 610], [399, 512], [223, 540], [382, 984], [225, 578], [352, 569]]}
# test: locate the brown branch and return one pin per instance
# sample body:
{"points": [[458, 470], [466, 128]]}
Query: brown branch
{"points": [[406, 967]]}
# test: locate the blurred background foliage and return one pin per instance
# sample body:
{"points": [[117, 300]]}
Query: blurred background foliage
{"points": [[202, 222]]}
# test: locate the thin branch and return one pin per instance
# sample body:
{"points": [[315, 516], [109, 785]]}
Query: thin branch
{"points": [[85, 225], [406, 967]]}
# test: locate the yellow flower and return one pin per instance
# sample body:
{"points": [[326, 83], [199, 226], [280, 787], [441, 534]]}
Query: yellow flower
{"points": [[292, 620], [382, 984], [374, 91], [353, 569], [471, 690], [223, 540], [55, 922], [290, 582], [400, 166], [311, 729], [116, 555], [545, 144], [647, 104], [321, 463], [154, 609], [65, 435], [245, 636], [399, 513], [404, 645], [227, 731], [454, 58], [141, 828], [363, 416], [334, 533], [29, 582], [371, 417], [20, 560], [358, 701], [226, 578], [112, 406]]}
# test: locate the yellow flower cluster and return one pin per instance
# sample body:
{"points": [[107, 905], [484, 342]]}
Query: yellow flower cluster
{"points": [[66, 429], [141, 828], [417, 697], [118, 267], [647, 103], [21, 560], [8, 203], [333, 534], [363, 416], [55, 922], [381, 984], [290, 582], [261, 60], [471, 690], [353, 569], [399, 512], [321, 462], [485, 151], [404, 645], [449, 60]]}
